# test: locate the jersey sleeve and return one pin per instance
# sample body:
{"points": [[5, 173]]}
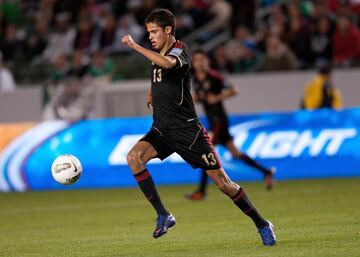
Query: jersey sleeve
{"points": [[181, 55], [226, 84], [220, 82]]}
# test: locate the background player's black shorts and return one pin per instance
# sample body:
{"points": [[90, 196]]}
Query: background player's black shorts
{"points": [[191, 143], [220, 131]]}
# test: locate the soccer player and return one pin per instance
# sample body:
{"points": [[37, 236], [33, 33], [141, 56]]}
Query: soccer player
{"points": [[210, 89], [176, 127]]}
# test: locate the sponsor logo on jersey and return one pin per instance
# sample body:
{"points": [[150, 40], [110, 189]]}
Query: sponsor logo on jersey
{"points": [[176, 51]]}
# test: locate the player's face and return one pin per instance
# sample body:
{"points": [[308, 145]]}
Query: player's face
{"points": [[157, 35], [200, 62]]}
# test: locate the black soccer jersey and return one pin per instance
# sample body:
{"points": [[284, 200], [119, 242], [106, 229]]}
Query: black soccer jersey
{"points": [[213, 83], [173, 106]]}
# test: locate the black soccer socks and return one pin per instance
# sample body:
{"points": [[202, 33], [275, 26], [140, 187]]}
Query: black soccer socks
{"points": [[251, 162], [204, 180], [147, 186], [243, 202]]}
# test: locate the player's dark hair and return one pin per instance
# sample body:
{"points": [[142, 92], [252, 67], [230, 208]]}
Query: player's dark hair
{"points": [[199, 51], [163, 18], [325, 68]]}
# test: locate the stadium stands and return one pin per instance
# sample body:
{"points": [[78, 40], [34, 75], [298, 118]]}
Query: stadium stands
{"points": [[34, 33]]}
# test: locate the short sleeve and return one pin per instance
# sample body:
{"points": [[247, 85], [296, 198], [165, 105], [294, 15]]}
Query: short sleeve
{"points": [[226, 84], [220, 82], [180, 52]]}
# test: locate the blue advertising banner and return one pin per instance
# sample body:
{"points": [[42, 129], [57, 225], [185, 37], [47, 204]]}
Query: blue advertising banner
{"points": [[304, 144]]}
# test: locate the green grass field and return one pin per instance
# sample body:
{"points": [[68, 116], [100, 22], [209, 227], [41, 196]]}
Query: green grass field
{"points": [[311, 218]]}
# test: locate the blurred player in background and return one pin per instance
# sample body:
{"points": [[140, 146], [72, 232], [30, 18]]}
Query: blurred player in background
{"points": [[320, 91], [211, 89], [176, 127]]}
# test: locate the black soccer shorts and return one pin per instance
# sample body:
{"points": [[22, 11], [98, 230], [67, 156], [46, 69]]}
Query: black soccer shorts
{"points": [[192, 143], [220, 130]]}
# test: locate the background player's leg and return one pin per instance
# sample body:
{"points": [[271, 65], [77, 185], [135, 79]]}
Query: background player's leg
{"points": [[237, 194], [139, 155], [204, 180], [268, 173], [200, 193], [244, 157]]}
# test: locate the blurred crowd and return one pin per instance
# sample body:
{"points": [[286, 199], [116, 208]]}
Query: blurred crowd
{"points": [[286, 35], [80, 39], [77, 37]]}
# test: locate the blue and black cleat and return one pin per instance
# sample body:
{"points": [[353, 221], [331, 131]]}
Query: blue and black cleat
{"points": [[163, 224], [267, 234]]}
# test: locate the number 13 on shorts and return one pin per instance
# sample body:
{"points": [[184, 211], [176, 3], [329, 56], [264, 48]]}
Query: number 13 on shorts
{"points": [[209, 159]]}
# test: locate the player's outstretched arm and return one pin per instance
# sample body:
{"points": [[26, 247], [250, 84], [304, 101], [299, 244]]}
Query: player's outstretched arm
{"points": [[229, 92], [165, 62], [225, 94]]}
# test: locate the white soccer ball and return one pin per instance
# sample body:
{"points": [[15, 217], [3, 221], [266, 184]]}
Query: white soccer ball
{"points": [[66, 169]]}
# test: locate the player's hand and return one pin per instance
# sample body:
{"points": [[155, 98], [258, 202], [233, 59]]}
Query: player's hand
{"points": [[127, 39], [149, 101], [212, 99]]}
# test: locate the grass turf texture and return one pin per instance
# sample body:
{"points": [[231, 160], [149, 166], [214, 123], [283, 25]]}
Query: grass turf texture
{"points": [[311, 218]]}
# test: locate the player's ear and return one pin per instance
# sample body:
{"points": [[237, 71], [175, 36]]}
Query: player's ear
{"points": [[168, 30]]}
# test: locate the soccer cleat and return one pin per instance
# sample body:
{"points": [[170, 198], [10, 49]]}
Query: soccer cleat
{"points": [[163, 223], [269, 178], [196, 196], [267, 234]]}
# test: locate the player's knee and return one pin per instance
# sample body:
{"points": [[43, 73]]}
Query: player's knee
{"points": [[133, 159]]}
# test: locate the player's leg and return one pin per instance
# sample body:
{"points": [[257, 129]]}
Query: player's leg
{"points": [[268, 173], [138, 156], [200, 193], [204, 180], [237, 194], [242, 201], [195, 147]]}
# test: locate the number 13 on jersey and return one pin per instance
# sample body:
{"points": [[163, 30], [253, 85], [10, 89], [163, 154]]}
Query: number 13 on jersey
{"points": [[157, 75]]}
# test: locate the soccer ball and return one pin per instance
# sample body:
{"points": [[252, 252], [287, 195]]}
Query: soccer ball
{"points": [[66, 169]]}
